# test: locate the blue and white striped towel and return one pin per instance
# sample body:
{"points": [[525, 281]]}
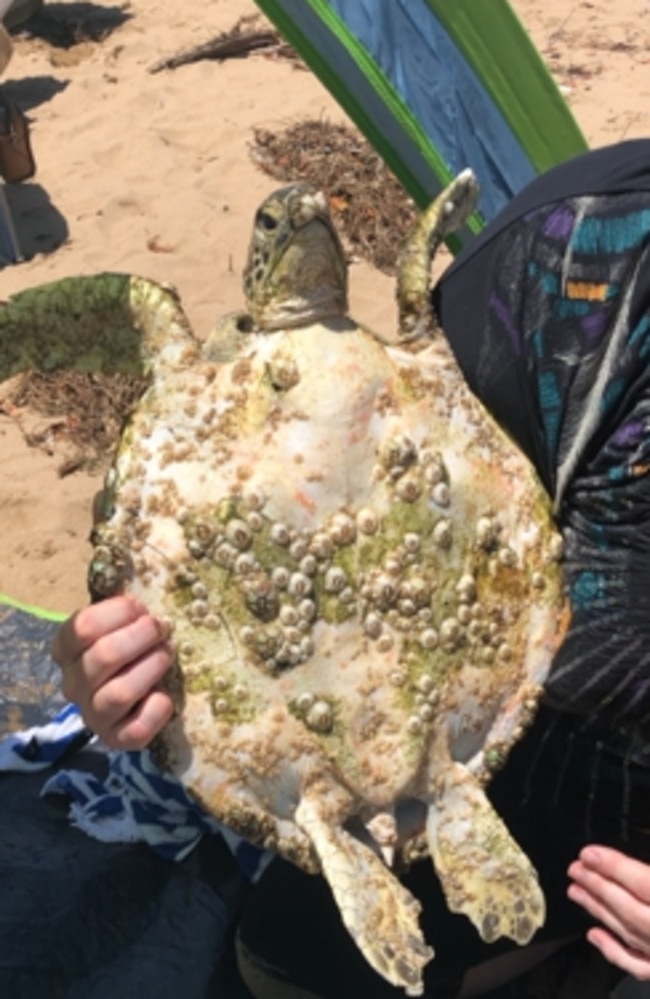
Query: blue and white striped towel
{"points": [[135, 802]]}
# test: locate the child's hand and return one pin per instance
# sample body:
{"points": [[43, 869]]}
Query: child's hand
{"points": [[112, 656], [615, 890]]}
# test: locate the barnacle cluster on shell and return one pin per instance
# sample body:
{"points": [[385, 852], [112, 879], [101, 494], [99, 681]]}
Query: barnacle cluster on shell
{"points": [[422, 580]]}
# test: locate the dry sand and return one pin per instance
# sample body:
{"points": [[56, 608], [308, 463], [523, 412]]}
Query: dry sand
{"points": [[152, 174]]}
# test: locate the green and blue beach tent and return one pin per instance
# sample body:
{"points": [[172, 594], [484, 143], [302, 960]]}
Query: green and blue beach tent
{"points": [[437, 86]]}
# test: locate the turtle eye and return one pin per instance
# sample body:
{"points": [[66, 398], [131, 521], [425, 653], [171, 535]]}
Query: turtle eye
{"points": [[268, 222]]}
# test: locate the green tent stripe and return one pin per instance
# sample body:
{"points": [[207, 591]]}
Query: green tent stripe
{"points": [[45, 615], [392, 105], [502, 55]]}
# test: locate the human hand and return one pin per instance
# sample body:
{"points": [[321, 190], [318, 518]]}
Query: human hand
{"points": [[112, 655], [615, 890]]}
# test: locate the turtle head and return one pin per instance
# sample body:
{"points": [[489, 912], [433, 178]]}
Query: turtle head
{"points": [[296, 271]]}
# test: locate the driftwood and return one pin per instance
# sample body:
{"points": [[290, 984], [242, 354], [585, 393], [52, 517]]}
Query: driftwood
{"points": [[249, 34], [228, 46]]}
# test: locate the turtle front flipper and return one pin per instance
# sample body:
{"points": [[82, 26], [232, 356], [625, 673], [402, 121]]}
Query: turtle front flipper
{"points": [[106, 322], [378, 912], [442, 217], [484, 874]]}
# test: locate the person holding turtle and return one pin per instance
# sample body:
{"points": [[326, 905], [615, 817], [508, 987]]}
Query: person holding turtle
{"points": [[548, 314]]}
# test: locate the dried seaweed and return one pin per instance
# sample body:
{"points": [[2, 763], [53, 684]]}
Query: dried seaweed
{"points": [[84, 410]]}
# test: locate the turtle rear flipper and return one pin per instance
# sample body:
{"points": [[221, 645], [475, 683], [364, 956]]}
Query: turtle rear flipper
{"points": [[378, 912], [483, 872]]}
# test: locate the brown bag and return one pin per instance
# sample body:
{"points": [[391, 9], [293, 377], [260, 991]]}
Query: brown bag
{"points": [[16, 157]]}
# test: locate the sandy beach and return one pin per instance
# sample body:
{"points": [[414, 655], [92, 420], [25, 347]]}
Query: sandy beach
{"points": [[151, 173]]}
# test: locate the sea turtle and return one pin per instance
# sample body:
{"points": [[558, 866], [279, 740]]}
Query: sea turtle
{"points": [[359, 571]]}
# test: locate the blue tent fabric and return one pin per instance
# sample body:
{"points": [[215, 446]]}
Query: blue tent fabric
{"points": [[390, 134], [444, 93]]}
